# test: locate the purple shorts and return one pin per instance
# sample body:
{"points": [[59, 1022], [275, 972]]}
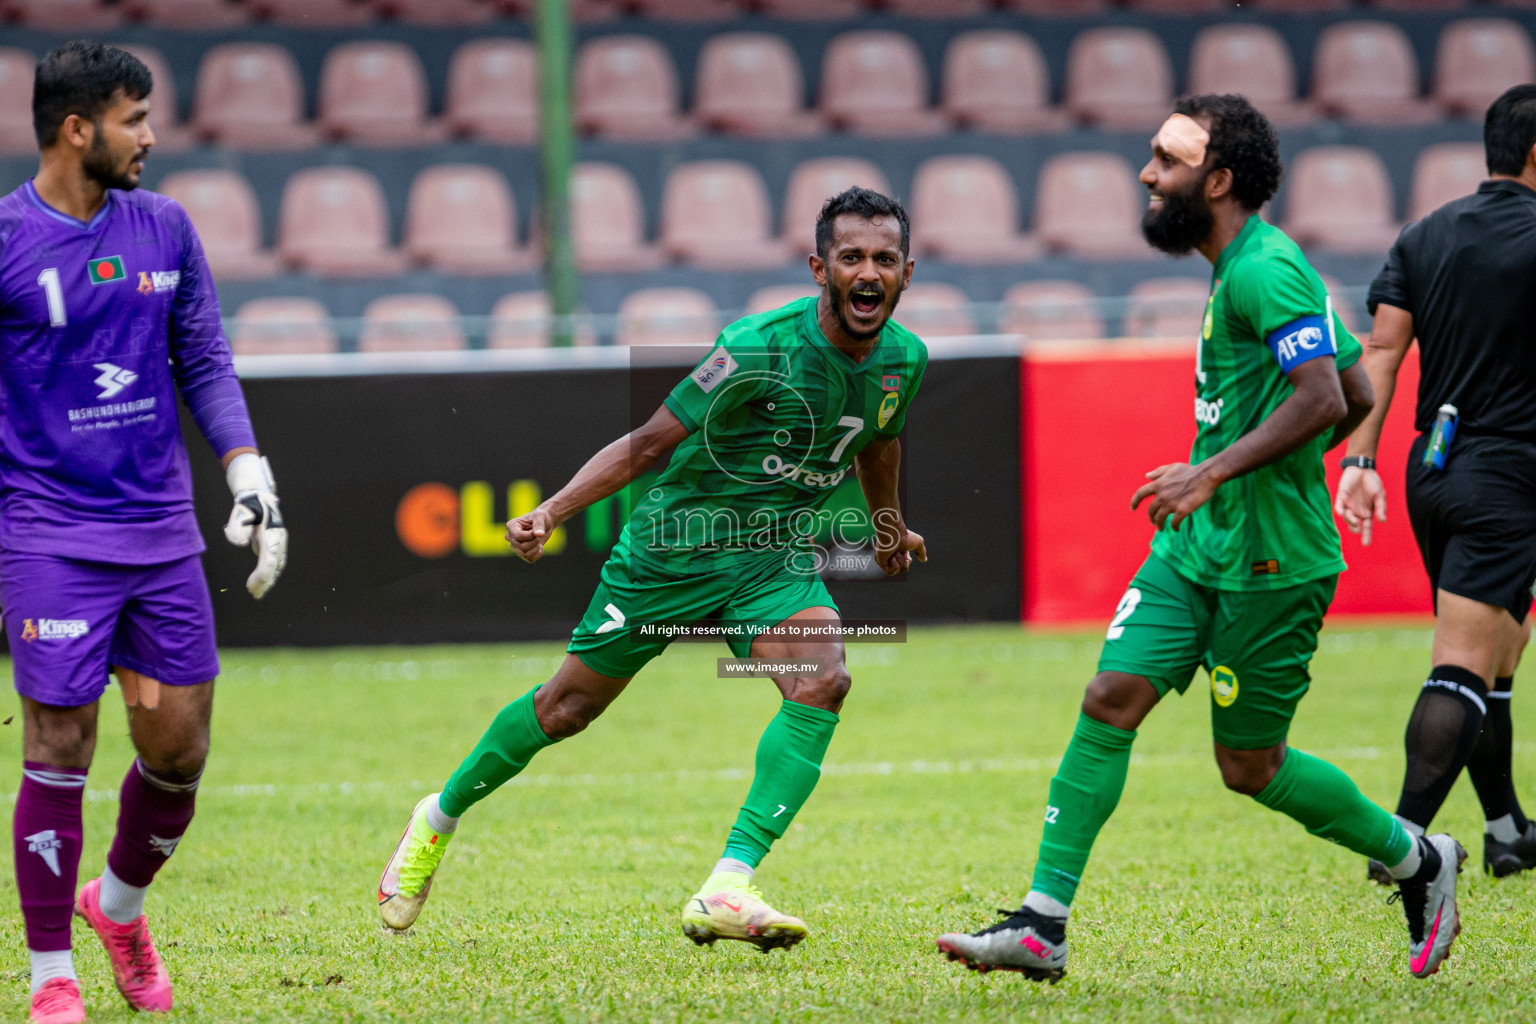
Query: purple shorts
{"points": [[68, 621]]}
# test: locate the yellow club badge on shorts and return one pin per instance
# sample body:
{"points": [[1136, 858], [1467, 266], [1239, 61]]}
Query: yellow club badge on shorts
{"points": [[1223, 686], [888, 408]]}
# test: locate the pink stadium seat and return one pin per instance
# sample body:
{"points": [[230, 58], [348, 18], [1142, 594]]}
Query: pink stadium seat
{"points": [[668, 316], [626, 87], [1443, 173], [938, 8], [1167, 307], [333, 223], [73, 16], [996, 81], [316, 13], [965, 210], [1090, 205], [715, 214], [933, 310], [376, 92], [225, 213], [608, 220], [1365, 71], [250, 95], [17, 68], [875, 83], [1181, 6], [1051, 311], [460, 219], [749, 83], [522, 320], [812, 10], [811, 184], [1119, 79], [440, 12], [776, 295], [1477, 59], [1253, 60], [684, 10], [282, 327], [171, 135], [411, 323], [493, 91], [204, 15], [1339, 198], [1418, 5], [1056, 8]]}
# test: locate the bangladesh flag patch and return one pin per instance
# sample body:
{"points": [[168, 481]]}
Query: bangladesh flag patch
{"points": [[106, 269]]}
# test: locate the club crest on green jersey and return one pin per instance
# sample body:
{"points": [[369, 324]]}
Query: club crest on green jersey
{"points": [[888, 406], [1223, 686]]}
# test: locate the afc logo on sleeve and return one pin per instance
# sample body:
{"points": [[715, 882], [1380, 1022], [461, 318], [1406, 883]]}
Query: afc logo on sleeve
{"points": [[715, 369], [1296, 343]]}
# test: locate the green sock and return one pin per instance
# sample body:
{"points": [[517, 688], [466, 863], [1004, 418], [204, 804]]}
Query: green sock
{"points": [[1329, 804], [788, 765], [1083, 795], [505, 749]]}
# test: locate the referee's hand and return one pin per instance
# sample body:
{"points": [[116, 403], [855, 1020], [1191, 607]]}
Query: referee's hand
{"points": [[1361, 499]]}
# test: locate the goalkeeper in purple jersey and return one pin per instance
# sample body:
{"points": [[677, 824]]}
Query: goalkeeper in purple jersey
{"points": [[107, 311]]}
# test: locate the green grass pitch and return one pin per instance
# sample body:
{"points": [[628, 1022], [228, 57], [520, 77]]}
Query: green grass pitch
{"points": [[559, 898]]}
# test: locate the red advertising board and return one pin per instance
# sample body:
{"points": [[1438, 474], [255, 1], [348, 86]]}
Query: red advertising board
{"points": [[1095, 418]]}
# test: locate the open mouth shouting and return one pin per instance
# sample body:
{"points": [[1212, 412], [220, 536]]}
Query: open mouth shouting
{"points": [[866, 301]]}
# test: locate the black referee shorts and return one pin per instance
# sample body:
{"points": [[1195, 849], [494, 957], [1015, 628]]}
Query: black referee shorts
{"points": [[1475, 520]]}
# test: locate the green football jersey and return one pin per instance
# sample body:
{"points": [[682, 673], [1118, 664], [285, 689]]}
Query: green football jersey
{"points": [[1268, 312], [777, 414]]}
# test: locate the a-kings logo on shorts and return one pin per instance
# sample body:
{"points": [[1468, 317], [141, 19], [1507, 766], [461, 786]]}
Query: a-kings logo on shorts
{"points": [[1208, 413], [53, 629], [1223, 686], [151, 281]]}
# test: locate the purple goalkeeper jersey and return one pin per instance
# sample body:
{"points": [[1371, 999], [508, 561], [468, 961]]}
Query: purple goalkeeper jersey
{"points": [[99, 323]]}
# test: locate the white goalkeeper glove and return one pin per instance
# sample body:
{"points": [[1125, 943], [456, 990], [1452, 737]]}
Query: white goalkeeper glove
{"points": [[256, 520]]}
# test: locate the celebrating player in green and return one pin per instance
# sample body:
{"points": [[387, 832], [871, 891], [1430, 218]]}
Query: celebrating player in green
{"points": [[1245, 559], [764, 429]]}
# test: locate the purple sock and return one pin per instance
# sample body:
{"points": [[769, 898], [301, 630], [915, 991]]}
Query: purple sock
{"points": [[153, 814], [46, 833]]}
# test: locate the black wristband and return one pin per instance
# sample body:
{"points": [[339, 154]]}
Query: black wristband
{"points": [[1363, 461]]}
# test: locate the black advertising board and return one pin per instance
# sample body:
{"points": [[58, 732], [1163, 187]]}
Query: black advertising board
{"points": [[396, 486]]}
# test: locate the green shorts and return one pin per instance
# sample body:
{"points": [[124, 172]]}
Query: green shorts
{"points": [[610, 638], [1256, 646]]}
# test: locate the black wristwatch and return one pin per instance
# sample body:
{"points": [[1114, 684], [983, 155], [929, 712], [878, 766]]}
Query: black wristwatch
{"points": [[1363, 461]]}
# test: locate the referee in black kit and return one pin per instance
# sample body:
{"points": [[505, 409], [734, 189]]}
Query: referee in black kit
{"points": [[1463, 280]]}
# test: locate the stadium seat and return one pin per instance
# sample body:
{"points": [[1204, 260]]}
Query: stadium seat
{"points": [[1119, 79], [749, 83], [1477, 59], [1090, 205], [776, 295], [522, 320], [1175, 7], [608, 220], [1056, 8], [250, 95], [996, 81], [493, 91], [1051, 310], [811, 184], [200, 15], [17, 68], [316, 13], [440, 12], [1167, 307], [1253, 60], [1443, 173], [282, 327], [668, 316], [1300, 6], [73, 16], [938, 8], [1339, 198], [225, 213], [875, 83], [684, 10], [460, 219], [931, 309], [715, 214], [812, 10], [626, 87], [376, 92], [965, 210], [333, 223], [1365, 71], [411, 323], [1418, 5], [171, 135]]}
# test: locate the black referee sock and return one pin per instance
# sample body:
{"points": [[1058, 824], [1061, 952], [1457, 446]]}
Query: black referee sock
{"points": [[1489, 765], [1442, 732]]}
